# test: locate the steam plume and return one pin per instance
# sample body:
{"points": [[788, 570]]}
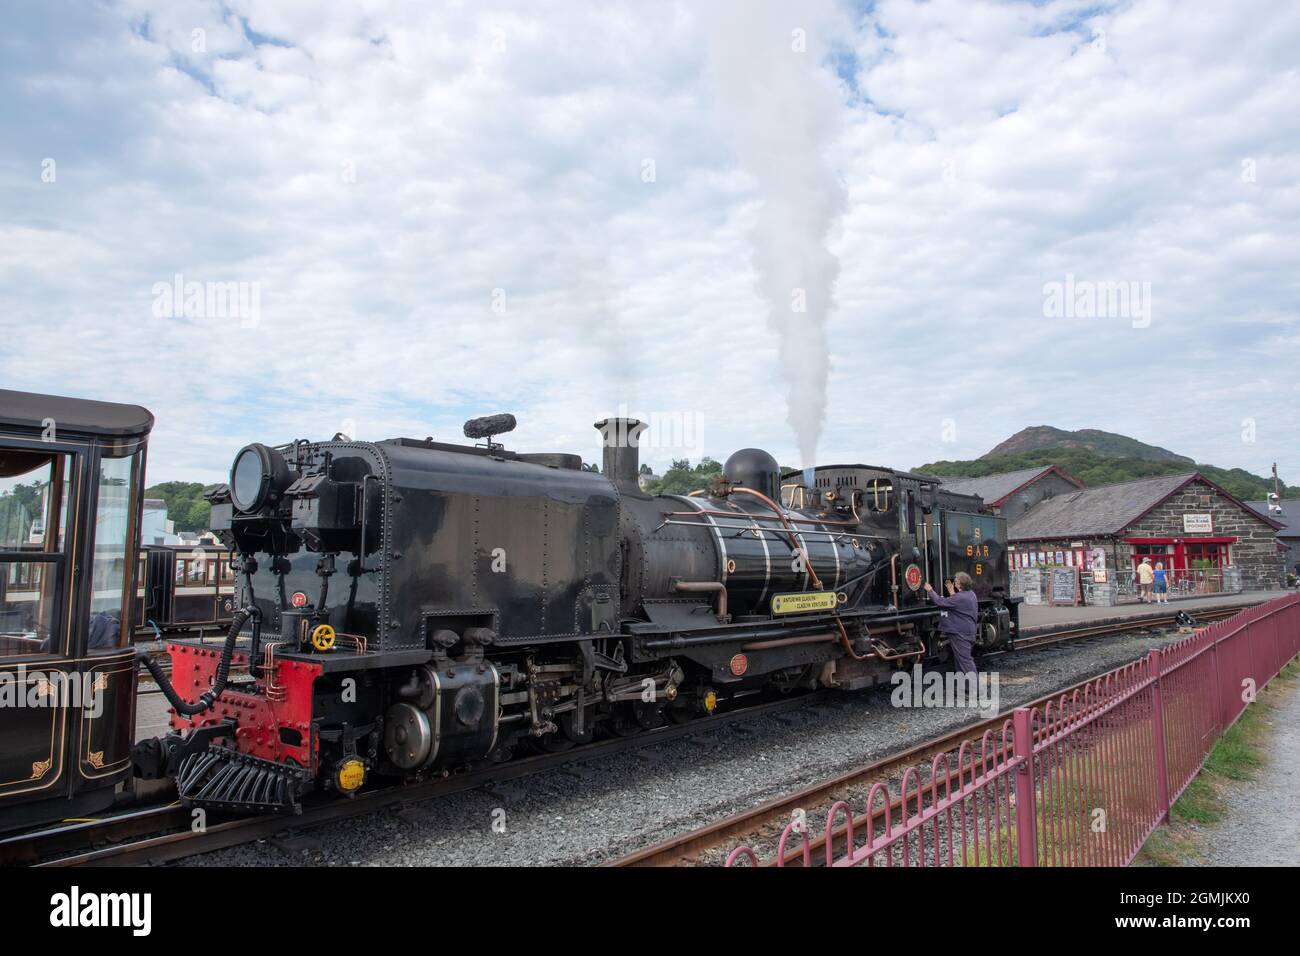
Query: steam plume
{"points": [[782, 107]]}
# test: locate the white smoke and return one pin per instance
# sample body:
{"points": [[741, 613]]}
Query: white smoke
{"points": [[781, 105]]}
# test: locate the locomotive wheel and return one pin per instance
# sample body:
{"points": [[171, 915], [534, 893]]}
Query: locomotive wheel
{"points": [[566, 728], [648, 716]]}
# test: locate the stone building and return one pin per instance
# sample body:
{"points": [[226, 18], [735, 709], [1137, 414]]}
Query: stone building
{"points": [[1206, 538], [1012, 493]]}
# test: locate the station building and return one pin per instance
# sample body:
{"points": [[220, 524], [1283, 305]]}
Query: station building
{"points": [[1209, 539], [1012, 493]]}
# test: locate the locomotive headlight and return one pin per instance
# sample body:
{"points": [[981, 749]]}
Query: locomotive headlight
{"points": [[257, 478]]}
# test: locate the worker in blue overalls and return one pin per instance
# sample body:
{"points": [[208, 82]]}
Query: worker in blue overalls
{"points": [[959, 620]]}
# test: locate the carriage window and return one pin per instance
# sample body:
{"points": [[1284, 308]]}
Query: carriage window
{"points": [[113, 525], [32, 486], [28, 597], [191, 572], [33, 521]]}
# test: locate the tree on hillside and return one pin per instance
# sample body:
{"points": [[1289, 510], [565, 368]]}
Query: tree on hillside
{"points": [[682, 479], [185, 504]]}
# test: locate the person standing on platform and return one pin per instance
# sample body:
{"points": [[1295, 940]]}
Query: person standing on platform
{"points": [[1146, 576], [959, 621], [1161, 583]]}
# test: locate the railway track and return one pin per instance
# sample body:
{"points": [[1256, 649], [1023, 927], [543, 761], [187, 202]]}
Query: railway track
{"points": [[1205, 616], [770, 818], [161, 832]]}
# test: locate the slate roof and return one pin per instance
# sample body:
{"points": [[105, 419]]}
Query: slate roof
{"points": [[1290, 516], [995, 488], [1105, 509]]}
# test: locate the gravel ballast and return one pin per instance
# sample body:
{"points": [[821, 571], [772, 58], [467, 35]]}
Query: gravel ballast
{"points": [[595, 810]]}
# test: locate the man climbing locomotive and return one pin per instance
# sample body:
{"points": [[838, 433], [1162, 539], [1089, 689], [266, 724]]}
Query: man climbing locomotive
{"points": [[413, 607]]}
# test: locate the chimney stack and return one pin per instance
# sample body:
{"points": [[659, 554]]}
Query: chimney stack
{"points": [[621, 460]]}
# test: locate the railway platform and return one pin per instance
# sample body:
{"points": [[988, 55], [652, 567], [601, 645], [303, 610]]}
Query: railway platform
{"points": [[1037, 619]]}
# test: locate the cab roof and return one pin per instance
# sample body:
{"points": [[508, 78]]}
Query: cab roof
{"points": [[31, 411], [915, 476]]}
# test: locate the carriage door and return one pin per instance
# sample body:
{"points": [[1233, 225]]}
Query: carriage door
{"points": [[37, 673], [158, 588], [106, 722]]}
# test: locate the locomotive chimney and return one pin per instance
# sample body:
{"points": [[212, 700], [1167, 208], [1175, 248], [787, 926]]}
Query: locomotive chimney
{"points": [[621, 461]]}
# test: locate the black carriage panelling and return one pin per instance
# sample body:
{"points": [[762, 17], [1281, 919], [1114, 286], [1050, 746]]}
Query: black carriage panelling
{"points": [[35, 727], [107, 718]]}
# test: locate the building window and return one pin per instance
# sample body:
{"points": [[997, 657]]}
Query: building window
{"points": [[1210, 556]]}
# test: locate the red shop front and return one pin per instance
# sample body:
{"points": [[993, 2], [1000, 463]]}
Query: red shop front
{"points": [[1182, 554]]}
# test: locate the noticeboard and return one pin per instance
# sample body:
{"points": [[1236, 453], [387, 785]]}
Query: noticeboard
{"points": [[1063, 586]]}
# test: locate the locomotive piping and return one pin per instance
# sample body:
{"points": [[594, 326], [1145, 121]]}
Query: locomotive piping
{"points": [[790, 642], [705, 587], [209, 697], [795, 541]]}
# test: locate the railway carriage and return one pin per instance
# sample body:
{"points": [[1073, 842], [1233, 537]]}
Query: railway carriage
{"points": [[183, 588], [70, 503]]}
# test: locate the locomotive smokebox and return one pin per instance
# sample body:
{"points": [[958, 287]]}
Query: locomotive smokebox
{"points": [[621, 462], [755, 469]]}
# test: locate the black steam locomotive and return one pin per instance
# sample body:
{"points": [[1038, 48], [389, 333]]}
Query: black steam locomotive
{"points": [[414, 607]]}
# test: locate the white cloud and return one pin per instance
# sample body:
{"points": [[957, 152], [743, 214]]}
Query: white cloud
{"points": [[985, 150]]}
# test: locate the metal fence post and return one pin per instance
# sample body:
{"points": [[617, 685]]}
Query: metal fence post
{"points": [[1218, 685], [1026, 827], [1158, 733]]}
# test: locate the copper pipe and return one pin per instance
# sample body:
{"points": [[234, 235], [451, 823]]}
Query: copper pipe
{"points": [[895, 657], [707, 587], [895, 628], [794, 542], [848, 645], [790, 642], [893, 577]]}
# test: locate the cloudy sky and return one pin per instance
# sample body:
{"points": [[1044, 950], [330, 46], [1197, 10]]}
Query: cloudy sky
{"points": [[441, 210]]}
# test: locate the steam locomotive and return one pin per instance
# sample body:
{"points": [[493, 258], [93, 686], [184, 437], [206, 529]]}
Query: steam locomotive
{"points": [[414, 607]]}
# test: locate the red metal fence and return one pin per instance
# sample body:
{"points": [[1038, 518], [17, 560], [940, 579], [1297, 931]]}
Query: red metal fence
{"points": [[1084, 780]]}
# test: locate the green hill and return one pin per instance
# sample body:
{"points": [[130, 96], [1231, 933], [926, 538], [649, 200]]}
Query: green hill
{"points": [[1097, 469], [1107, 444]]}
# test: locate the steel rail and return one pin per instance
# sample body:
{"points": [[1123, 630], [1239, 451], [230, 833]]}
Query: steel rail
{"points": [[157, 834]]}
